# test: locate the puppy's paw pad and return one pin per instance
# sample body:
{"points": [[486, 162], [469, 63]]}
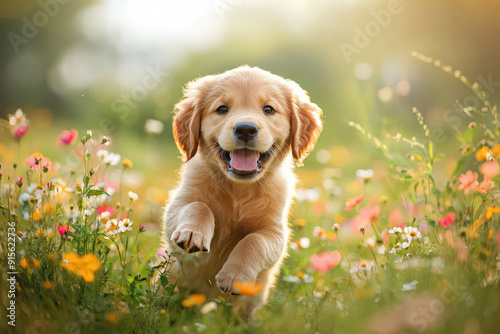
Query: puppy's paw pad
{"points": [[228, 275], [190, 241]]}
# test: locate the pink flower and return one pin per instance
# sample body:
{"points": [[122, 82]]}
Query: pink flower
{"points": [[36, 160], [448, 219], [485, 187], [370, 213], [105, 208], [396, 218], [67, 137], [19, 182], [20, 131], [325, 261], [352, 202], [422, 227], [63, 230], [490, 169], [468, 182]]}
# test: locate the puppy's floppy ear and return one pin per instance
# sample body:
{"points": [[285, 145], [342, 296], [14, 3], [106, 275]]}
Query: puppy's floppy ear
{"points": [[187, 120], [306, 124]]}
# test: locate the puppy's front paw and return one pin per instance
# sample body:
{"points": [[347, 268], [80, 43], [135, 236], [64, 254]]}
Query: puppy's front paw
{"points": [[190, 240], [232, 273]]}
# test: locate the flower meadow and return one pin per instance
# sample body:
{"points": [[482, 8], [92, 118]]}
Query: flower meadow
{"points": [[383, 250]]}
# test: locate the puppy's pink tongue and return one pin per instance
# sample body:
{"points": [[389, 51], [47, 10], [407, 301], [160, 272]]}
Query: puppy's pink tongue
{"points": [[244, 161]]}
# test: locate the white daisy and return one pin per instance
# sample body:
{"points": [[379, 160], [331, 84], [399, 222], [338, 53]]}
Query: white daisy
{"points": [[396, 248], [395, 230], [112, 159], [412, 233], [133, 196]]}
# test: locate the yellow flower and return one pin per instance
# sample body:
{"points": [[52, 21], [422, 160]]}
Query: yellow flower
{"points": [[496, 150], [24, 263], [37, 216], [473, 229], [249, 288], [84, 266], [301, 222], [491, 210], [37, 263], [193, 300], [482, 153], [127, 163], [491, 234]]}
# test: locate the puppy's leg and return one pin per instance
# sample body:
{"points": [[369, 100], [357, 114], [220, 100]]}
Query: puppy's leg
{"points": [[192, 228], [255, 253]]}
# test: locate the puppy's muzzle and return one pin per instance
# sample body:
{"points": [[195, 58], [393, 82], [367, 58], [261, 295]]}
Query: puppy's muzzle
{"points": [[246, 131]]}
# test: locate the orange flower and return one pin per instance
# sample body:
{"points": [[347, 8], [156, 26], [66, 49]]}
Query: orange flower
{"points": [[468, 181], [37, 263], [352, 202], [112, 319], [496, 150], [24, 263], [193, 300], [482, 153], [84, 266], [37, 216], [485, 187], [491, 210], [249, 288], [47, 285], [490, 169]]}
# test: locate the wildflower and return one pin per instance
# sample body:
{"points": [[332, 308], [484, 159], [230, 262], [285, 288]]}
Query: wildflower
{"points": [[448, 219], [364, 265], [302, 243], [19, 182], [362, 229], [133, 196], [490, 169], [37, 161], [325, 261], [19, 123], [396, 248], [395, 230], [208, 307], [63, 230], [385, 237], [485, 186], [200, 327], [101, 154], [112, 319], [127, 163], [153, 126], [105, 141], [24, 263], [249, 288], [301, 222], [412, 233], [193, 300], [37, 263], [482, 153], [125, 225], [364, 174], [336, 227], [112, 159], [468, 182], [105, 208], [299, 278], [406, 244], [21, 235], [142, 228], [353, 202], [67, 137], [85, 266], [490, 211], [409, 286], [496, 150], [47, 285]]}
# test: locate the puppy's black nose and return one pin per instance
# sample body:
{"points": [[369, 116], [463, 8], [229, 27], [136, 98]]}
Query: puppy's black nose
{"points": [[246, 131]]}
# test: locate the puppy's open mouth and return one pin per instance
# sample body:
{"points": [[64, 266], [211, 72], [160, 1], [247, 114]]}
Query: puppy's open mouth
{"points": [[244, 163]]}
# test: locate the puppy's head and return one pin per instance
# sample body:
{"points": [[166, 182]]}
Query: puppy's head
{"points": [[245, 121]]}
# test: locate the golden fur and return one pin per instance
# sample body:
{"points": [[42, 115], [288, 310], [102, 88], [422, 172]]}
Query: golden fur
{"points": [[236, 228]]}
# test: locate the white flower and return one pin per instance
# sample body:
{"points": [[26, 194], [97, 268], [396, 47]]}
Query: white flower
{"points": [[370, 242], [336, 227], [410, 286], [299, 278], [125, 225], [396, 248], [102, 154], [133, 196], [112, 159], [112, 226], [406, 244], [24, 198], [19, 118], [208, 307], [412, 233], [304, 242], [396, 230], [31, 187], [364, 174], [199, 327], [87, 213]]}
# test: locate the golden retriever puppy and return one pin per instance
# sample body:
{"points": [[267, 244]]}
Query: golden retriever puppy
{"points": [[239, 132]]}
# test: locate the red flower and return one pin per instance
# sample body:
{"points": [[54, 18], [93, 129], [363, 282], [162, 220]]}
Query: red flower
{"points": [[67, 137], [63, 230], [325, 261], [105, 208], [448, 219], [352, 202]]}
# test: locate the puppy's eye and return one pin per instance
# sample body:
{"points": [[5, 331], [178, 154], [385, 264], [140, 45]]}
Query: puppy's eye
{"points": [[269, 110], [222, 110]]}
